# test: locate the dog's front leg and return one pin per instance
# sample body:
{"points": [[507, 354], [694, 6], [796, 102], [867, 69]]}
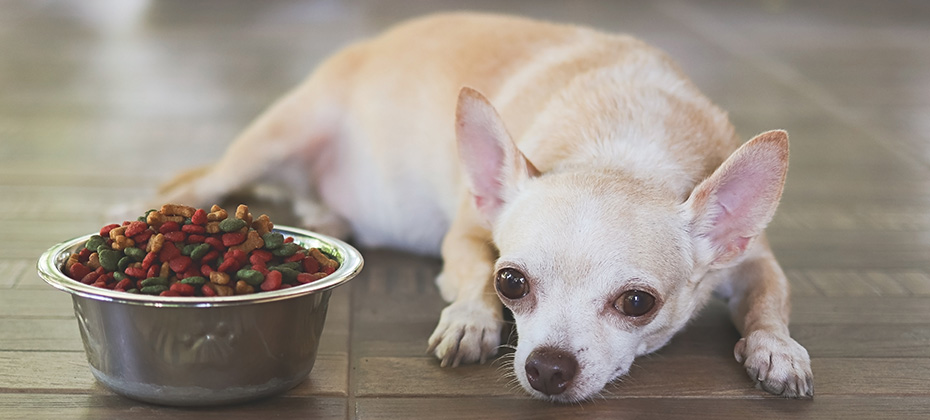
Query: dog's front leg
{"points": [[470, 327], [758, 300]]}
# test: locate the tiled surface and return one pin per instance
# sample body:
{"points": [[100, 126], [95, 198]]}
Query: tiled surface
{"points": [[100, 101]]}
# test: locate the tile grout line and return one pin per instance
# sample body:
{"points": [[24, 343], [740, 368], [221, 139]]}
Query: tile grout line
{"points": [[706, 27]]}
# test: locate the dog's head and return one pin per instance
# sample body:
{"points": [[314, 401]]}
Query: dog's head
{"points": [[597, 266]]}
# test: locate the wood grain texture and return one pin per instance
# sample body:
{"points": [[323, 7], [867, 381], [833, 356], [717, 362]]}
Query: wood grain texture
{"points": [[102, 101]]}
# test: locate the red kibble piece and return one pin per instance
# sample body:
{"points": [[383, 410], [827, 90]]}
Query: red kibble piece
{"points": [[180, 264], [260, 256], [170, 293], [90, 277], [206, 270], [287, 286], [272, 281], [228, 265], [210, 256], [153, 271], [106, 277], [169, 226], [136, 272], [149, 260], [143, 236], [135, 228], [105, 231], [78, 271], [196, 239], [207, 291], [176, 236], [289, 239], [123, 284], [311, 265], [199, 217], [297, 257], [233, 238], [215, 242], [194, 229], [261, 269], [126, 223], [240, 256], [305, 277], [100, 270], [84, 255], [192, 271], [101, 285], [168, 251], [182, 289], [329, 270]]}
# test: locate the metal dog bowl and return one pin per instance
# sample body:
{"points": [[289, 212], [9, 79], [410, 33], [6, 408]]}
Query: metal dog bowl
{"points": [[206, 350]]}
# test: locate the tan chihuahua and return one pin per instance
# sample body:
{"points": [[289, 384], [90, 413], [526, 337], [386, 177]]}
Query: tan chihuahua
{"points": [[601, 197]]}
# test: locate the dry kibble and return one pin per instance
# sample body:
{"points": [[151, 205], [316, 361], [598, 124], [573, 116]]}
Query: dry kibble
{"points": [[216, 214], [262, 225], [178, 210], [182, 251]]}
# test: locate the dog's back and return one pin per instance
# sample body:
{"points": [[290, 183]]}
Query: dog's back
{"points": [[569, 96]]}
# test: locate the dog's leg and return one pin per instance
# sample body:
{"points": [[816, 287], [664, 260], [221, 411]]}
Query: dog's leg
{"points": [[470, 327], [758, 301]]}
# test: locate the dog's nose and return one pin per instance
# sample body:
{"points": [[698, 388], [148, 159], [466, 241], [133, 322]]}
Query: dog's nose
{"points": [[550, 370]]}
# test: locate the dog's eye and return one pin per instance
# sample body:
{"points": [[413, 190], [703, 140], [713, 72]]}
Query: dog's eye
{"points": [[512, 283], [635, 303]]}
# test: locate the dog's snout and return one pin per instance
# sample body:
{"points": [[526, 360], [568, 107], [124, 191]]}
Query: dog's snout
{"points": [[550, 370]]}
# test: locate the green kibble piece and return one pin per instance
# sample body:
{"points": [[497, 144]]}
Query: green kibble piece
{"points": [[153, 281], [188, 249], [109, 258], [95, 242], [118, 275], [286, 250], [133, 290], [199, 251], [252, 277], [290, 265], [135, 253], [288, 275], [273, 240], [123, 263], [232, 224], [154, 290], [194, 281]]}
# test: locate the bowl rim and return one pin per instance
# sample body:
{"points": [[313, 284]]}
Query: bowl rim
{"points": [[350, 264]]}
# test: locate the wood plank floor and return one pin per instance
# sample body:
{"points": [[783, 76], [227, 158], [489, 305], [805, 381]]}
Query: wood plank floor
{"points": [[100, 101]]}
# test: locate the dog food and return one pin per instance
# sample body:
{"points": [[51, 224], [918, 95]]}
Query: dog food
{"points": [[182, 251]]}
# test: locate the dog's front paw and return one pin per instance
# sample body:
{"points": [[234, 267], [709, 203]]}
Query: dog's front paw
{"points": [[777, 363], [468, 331]]}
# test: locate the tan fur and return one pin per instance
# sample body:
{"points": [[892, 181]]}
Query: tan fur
{"points": [[584, 159]]}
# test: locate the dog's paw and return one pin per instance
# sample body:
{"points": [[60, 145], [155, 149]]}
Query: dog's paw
{"points": [[468, 332], [777, 364]]}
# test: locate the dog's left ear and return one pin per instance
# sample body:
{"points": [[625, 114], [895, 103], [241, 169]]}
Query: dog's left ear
{"points": [[493, 164], [735, 204]]}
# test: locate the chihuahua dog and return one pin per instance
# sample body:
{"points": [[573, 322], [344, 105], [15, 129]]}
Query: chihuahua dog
{"points": [[577, 177]]}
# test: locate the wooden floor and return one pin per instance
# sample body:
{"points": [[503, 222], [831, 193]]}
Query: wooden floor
{"points": [[100, 101]]}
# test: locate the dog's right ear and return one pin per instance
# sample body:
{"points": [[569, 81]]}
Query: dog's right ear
{"points": [[493, 164]]}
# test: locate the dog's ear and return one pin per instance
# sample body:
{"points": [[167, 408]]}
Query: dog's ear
{"points": [[734, 205], [493, 164]]}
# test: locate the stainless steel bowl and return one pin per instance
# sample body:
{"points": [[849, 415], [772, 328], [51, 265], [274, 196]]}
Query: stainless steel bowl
{"points": [[202, 351]]}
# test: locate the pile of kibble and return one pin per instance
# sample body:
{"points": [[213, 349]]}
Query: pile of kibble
{"points": [[182, 251]]}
